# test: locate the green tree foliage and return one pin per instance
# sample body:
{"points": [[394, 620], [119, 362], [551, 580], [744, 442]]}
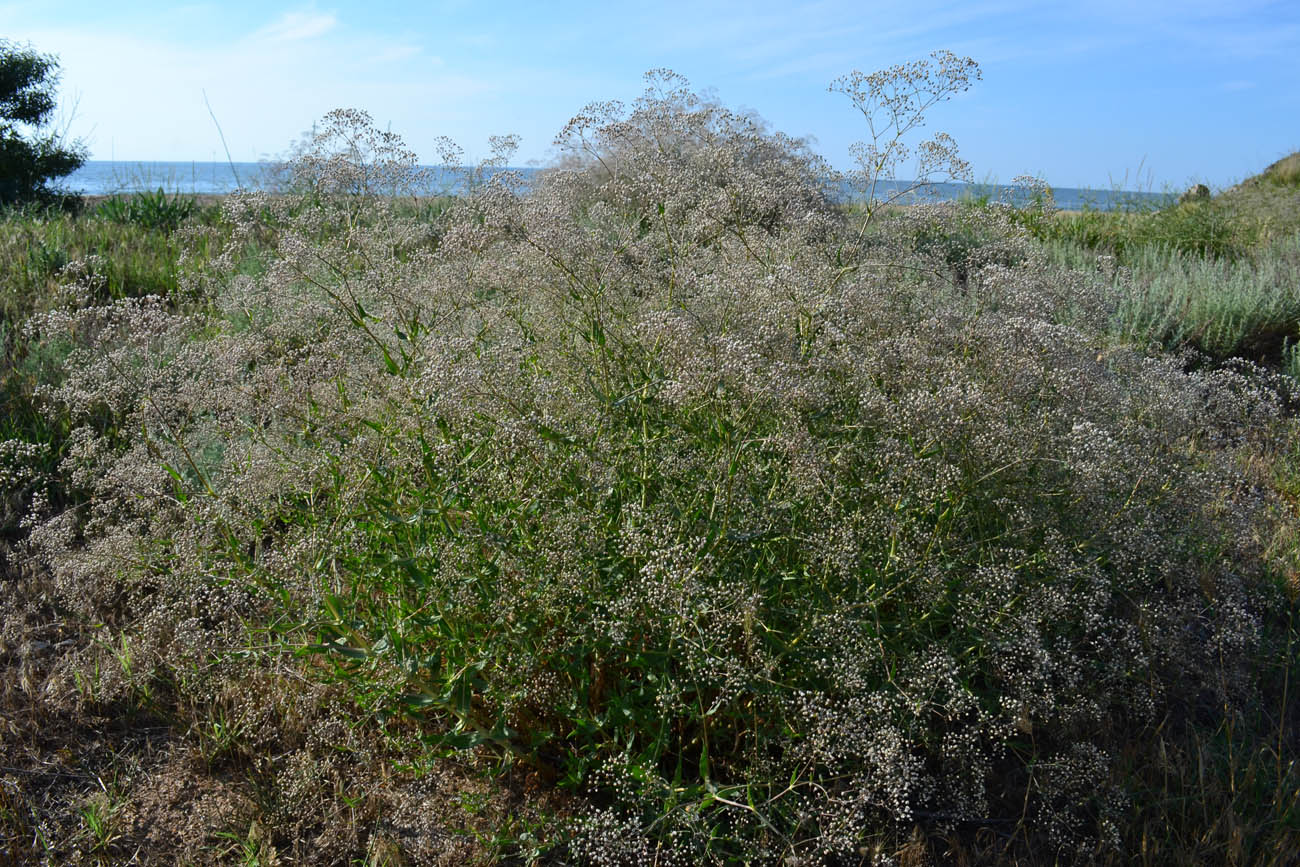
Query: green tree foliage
{"points": [[31, 153]]}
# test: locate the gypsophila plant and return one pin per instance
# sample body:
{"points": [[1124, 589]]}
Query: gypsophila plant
{"points": [[894, 103], [654, 483], [347, 155]]}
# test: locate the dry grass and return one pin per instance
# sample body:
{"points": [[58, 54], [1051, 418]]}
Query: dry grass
{"points": [[152, 777], [1284, 172]]}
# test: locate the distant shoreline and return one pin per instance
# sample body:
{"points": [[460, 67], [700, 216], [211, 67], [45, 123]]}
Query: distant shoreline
{"points": [[102, 178], [205, 200]]}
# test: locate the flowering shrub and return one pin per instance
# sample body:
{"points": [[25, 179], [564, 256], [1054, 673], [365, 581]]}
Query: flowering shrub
{"points": [[663, 480]]}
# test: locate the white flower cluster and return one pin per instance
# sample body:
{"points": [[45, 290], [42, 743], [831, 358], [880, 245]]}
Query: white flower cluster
{"points": [[666, 466]]}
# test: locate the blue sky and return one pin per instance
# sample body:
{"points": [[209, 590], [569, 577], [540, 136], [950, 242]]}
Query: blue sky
{"points": [[1148, 94]]}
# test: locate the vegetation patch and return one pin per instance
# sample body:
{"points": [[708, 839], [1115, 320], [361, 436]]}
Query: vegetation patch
{"points": [[149, 210], [664, 511], [1285, 172]]}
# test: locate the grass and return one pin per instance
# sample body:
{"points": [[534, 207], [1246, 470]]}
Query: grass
{"points": [[1247, 308], [540, 551], [148, 210], [1212, 229], [1218, 276], [1283, 173], [52, 257], [1236, 224], [120, 258]]}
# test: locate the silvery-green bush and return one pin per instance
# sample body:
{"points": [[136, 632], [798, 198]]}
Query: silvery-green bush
{"points": [[771, 537]]}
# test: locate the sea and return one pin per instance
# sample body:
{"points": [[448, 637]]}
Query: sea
{"points": [[107, 178]]}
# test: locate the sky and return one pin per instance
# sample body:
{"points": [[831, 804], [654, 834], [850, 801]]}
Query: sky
{"points": [[1148, 95]]}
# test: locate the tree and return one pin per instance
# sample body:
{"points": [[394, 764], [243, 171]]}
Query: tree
{"points": [[31, 153]]}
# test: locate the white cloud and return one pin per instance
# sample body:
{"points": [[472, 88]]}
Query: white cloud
{"points": [[141, 94]]}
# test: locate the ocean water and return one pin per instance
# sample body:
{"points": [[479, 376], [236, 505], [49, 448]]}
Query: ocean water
{"points": [[105, 178]]}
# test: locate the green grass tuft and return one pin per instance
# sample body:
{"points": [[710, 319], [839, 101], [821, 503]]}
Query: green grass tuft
{"points": [[154, 211], [1285, 172]]}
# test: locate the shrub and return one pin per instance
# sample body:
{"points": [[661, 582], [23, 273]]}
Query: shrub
{"points": [[678, 162], [654, 481], [348, 155]]}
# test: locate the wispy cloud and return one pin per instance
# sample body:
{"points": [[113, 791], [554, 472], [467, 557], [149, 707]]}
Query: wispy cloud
{"points": [[297, 26], [434, 67], [266, 85], [774, 40], [1242, 30], [825, 63]]}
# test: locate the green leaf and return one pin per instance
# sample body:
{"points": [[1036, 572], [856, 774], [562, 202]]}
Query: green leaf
{"points": [[342, 650], [556, 436], [459, 740]]}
